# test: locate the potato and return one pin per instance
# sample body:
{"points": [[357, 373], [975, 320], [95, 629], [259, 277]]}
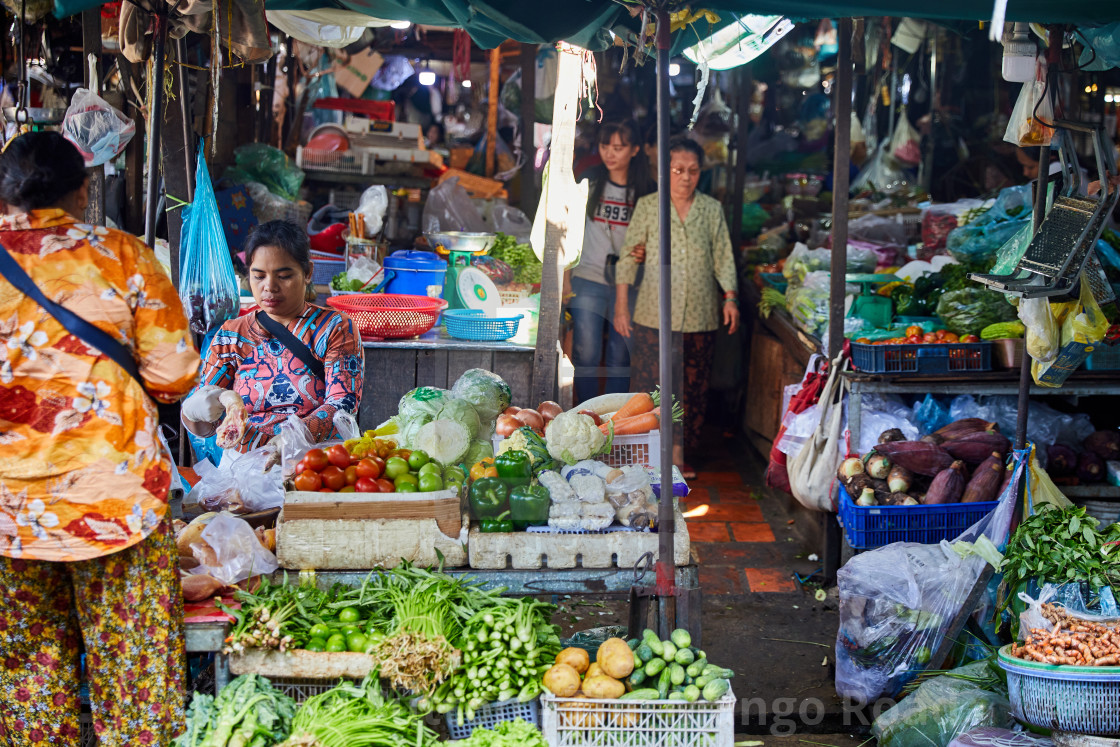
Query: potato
{"points": [[580, 718], [603, 687], [577, 658], [615, 658], [593, 670], [562, 680]]}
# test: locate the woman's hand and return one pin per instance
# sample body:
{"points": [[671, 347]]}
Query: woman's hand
{"points": [[730, 316], [204, 406], [622, 322], [639, 253]]}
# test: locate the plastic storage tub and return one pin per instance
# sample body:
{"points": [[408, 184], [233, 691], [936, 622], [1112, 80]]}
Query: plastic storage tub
{"points": [[412, 273], [1085, 700]]}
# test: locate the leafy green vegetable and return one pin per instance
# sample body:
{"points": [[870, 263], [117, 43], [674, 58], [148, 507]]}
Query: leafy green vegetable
{"points": [[516, 733], [521, 257], [247, 711], [968, 311], [341, 282], [487, 391]]}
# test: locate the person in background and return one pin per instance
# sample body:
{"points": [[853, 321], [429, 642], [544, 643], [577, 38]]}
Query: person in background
{"points": [[615, 188], [434, 136], [309, 364], [87, 552], [704, 293]]}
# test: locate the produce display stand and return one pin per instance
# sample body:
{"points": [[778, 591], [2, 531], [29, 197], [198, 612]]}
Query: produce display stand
{"points": [[581, 722]]}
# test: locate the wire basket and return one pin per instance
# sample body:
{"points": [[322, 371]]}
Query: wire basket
{"points": [[301, 689], [345, 199], [492, 714], [339, 162], [473, 324], [324, 270], [583, 722], [389, 317], [1085, 700]]}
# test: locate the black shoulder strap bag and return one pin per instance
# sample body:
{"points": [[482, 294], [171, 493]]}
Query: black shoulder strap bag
{"points": [[74, 324], [294, 344]]}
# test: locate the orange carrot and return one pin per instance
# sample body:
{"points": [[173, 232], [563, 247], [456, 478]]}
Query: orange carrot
{"points": [[639, 404], [643, 423]]}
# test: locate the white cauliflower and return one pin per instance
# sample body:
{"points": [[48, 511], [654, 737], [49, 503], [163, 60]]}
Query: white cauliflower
{"points": [[559, 491], [589, 488], [572, 437]]}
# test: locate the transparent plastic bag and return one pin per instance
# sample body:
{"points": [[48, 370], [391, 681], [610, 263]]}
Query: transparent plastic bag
{"points": [[633, 499], [877, 229], [808, 303], [512, 221], [931, 414], [1045, 425], [1026, 127], [242, 483], [372, 205], [982, 242], [208, 286], [257, 162], [1075, 599], [96, 128], [943, 708], [896, 602], [296, 440], [1042, 491], [968, 310], [880, 413], [1008, 255], [449, 208], [906, 143], [237, 552], [882, 173], [1042, 336]]}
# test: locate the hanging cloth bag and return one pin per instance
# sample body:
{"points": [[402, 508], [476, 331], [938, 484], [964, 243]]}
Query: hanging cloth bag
{"points": [[812, 472]]}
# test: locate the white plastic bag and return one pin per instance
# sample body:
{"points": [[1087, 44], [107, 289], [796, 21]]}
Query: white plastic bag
{"points": [[511, 221], [243, 483], [632, 497], [97, 129], [1042, 338], [239, 554], [449, 208], [1026, 127], [881, 413], [906, 143], [372, 205], [812, 472]]}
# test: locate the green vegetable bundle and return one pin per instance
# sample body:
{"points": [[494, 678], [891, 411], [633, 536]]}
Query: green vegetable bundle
{"points": [[516, 733], [521, 257], [357, 715], [247, 713], [969, 310]]}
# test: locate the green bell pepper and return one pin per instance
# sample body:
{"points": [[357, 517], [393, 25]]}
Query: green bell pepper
{"points": [[499, 523], [528, 506], [906, 303], [488, 497], [515, 468]]}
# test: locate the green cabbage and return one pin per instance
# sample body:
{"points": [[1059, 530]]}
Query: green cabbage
{"points": [[445, 441], [478, 451], [422, 401], [461, 412], [489, 394]]}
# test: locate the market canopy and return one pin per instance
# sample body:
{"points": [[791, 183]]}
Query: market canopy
{"points": [[587, 23]]}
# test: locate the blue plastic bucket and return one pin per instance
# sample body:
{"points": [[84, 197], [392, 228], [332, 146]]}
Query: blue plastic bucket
{"points": [[412, 273]]}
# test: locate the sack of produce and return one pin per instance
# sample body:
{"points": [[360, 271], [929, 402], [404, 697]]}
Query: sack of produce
{"points": [[945, 707], [969, 310], [1082, 325]]}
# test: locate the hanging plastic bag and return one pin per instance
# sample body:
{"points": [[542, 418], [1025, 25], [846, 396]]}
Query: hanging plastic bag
{"points": [[1027, 126], [906, 143], [897, 602], [1083, 327], [812, 473], [373, 204], [806, 395], [96, 128], [1042, 491], [208, 286], [881, 173], [1042, 337], [234, 552], [449, 208]]}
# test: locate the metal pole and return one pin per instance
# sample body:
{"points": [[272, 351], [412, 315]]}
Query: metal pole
{"points": [[91, 44], [935, 104], [528, 120], [743, 112], [159, 45], [184, 104], [841, 163], [666, 524]]}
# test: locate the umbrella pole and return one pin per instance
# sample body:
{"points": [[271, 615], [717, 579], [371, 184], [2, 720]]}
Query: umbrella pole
{"points": [[665, 522], [155, 121]]}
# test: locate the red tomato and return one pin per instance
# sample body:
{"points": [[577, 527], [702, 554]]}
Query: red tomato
{"points": [[380, 462], [351, 475], [354, 459], [941, 333], [929, 337], [970, 338], [333, 478], [308, 481], [913, 339], [369, 469], [366, 485], [386, 486], [301, 466], [316, 460], [913, 330], [327, 490], [339, 456]]}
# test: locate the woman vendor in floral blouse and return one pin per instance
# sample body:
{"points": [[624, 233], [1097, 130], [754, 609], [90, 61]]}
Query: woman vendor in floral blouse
{"points": [[704, 293], [271, 379]]}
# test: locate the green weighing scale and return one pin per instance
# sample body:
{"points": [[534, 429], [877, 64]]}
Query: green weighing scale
{"points": [[465, 287], [875, 310]]}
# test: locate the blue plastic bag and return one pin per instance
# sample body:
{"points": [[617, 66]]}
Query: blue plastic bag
{"points": [[981, 239], [206, 448], [208, 286], [931, 415]]}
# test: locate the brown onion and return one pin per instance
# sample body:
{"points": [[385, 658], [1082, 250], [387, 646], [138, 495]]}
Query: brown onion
{"points": [[506, 425], [549, 410], [593, 415], [531, 418], [511, 410]]}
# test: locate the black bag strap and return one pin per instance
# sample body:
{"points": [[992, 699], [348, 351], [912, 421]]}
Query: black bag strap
{"points": [[294, 344], [74, 324]]}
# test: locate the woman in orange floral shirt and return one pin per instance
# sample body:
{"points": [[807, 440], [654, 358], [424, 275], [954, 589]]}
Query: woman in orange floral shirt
{"points": [[86, 549]]}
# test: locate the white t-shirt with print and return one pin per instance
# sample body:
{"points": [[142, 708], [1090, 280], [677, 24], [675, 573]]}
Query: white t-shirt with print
{"points": [[604, 233]]}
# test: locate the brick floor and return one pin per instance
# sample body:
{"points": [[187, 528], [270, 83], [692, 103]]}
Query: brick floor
{"points": [[769, 580], [704, 532]]}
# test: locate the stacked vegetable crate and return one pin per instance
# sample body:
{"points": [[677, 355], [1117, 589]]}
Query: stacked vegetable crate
{"points": [[580, 722]]}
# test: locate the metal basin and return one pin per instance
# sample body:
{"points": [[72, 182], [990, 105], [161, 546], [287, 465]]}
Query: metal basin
{"points": [[460, 241]]}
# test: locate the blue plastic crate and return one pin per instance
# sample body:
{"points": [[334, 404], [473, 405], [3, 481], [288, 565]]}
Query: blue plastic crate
{"points": [[775, 280], [324, 270], [492, 714], [1104, 358], [474, 324], [868, 527], [928, 359]]}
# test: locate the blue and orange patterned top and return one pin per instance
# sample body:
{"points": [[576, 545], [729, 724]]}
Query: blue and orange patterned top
{"points": [[274, 383]]}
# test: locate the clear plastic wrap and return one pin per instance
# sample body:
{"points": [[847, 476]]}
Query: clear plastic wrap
{"points": [[96, 128], [372, 205], [1075, 599], [632, 497], [208, 286], [1030, 117], [237, 552], [242, 483], [449, 208]]}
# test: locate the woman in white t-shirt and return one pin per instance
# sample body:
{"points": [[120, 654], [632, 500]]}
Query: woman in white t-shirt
{"points": [[615, 188]]}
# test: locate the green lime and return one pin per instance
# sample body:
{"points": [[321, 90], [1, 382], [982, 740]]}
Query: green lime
{"points": [[316, 644], [408, 487], [319, 630], [356, 642], [351, 629], [336, 643], [349, 615]]}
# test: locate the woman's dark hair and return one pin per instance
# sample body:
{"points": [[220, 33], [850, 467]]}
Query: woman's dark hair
{"points": [[678, 144], [39, 169], [639, 183], [284, 235]]}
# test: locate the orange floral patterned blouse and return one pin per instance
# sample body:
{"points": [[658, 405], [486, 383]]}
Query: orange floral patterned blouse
{"points": [[82, 472]]}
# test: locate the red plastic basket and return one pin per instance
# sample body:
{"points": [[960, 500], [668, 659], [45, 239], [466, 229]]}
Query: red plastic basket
{"points": [[389, 316]]}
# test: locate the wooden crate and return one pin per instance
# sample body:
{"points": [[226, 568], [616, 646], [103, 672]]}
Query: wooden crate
{"points": [[530, 550], [357, 531], [476, 186]]}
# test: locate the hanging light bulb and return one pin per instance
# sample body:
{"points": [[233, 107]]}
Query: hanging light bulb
{"points": [[427, 78], [400, 25], [467, 83], [1019, 53], [674, 69]]}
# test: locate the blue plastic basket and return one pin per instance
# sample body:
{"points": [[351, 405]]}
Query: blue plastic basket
{"points": [[868, 527], [775, 280], [324, 270], [492, 714], [1103, 358], [473, 324], [1084, 700], [923, 360]]}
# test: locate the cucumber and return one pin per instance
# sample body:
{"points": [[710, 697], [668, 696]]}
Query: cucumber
{"points": [[681, 638], [654, 667], [652, 641], [637, 677], [685, 657], [677, 696], [668, 650], [703, 680], [676, 673], [692, 693], [637, 661], [716, 689], [696, 668], [718, 672], [646, 694], [663, 685], [700, 654], [633, 643], [644, 652]]}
